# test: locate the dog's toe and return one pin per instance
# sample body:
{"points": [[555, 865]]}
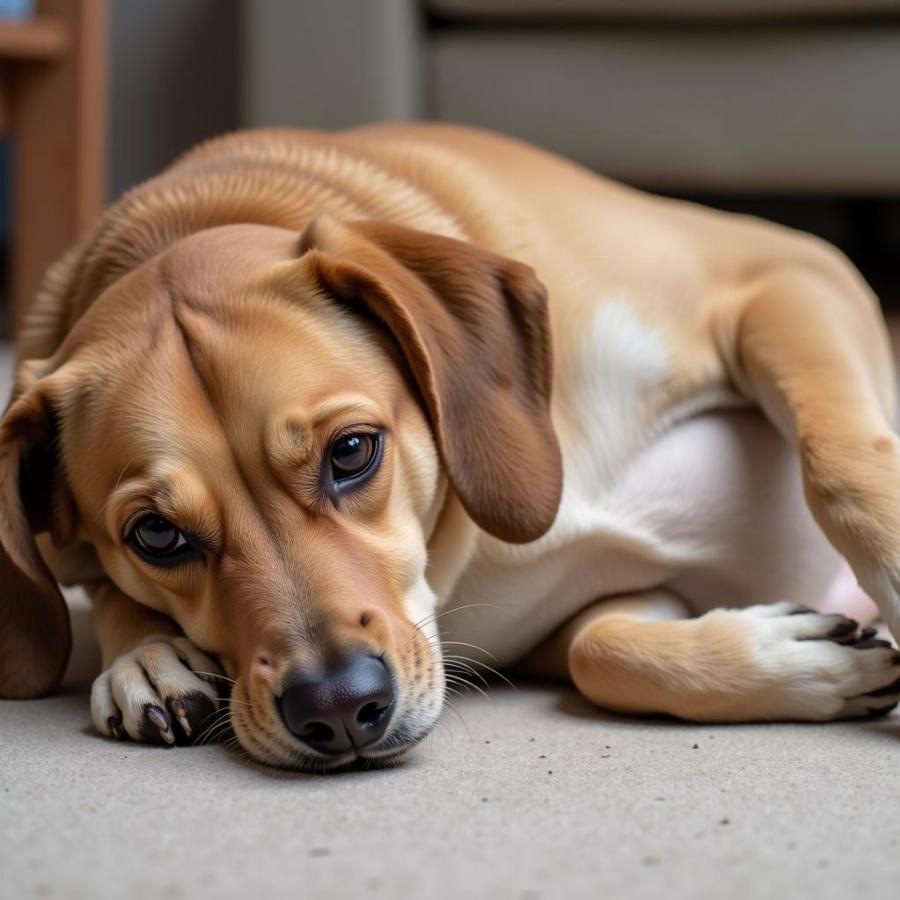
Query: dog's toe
{"points": [[818, 666], [191, 715], [154, 695], [872, 704]]}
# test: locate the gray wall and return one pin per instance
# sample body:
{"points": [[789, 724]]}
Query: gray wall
{"points": [[174, 80], [331, 63]]}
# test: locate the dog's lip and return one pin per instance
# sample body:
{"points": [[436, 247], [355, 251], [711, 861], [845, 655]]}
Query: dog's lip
{"points": [[362, 759], [384, 752]]}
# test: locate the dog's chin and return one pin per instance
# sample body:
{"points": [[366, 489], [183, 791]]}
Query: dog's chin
{"points": [[353, 761], [288, 753]]}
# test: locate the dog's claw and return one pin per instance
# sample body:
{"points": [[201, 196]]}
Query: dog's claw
{"points": [[115, 726], [180, 713], [870, 644], [893, 688], [161, 721], [843, 630]]}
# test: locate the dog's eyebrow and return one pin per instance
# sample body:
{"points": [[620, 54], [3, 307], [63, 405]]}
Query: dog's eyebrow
{"points": [[164, 496], [291, 439], [343, 406]]}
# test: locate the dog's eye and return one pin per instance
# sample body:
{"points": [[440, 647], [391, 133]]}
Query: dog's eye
{"points": [[158, 541], [352, 455]]}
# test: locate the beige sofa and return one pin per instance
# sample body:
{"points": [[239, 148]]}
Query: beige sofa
{"points": [[685, 95]]}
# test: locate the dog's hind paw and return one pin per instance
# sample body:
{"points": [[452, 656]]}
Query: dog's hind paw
{"points": [[162, 692], [814, 667]]}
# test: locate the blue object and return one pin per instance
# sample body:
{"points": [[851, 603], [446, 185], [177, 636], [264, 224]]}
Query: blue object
{"points": [[16, 9]]}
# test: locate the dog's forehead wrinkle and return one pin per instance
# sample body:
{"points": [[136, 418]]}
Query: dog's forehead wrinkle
{"points": [[181, 308]]}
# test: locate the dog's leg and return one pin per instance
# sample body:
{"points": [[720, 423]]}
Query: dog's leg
{"points": [[156, 686], [808, 344], [774, 662]]}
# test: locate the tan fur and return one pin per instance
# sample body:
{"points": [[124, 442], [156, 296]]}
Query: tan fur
{"points": [[196, 353]]}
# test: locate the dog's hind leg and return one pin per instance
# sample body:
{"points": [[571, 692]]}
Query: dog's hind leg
{"points": [[156, 686], [806, 341], [773, 662], [847, 597]]}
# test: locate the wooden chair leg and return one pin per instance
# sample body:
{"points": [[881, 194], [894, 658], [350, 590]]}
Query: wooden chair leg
{"points": [[59, 119]]}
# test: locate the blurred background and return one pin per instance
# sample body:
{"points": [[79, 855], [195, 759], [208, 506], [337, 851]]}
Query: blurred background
{"points": [[783, 108]]}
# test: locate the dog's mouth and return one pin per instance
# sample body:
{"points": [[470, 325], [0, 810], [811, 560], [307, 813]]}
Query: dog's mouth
{"points": [[363, 759], [261, 734], [280, 751]]}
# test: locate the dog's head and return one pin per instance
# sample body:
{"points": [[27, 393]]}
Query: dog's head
{"points": [[257, 431]]}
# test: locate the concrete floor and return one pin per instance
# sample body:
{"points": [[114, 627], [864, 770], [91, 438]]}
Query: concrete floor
{"points": [[528, 795]]}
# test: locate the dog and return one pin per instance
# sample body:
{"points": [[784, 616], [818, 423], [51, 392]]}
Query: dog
{"points": [[305, 397]]}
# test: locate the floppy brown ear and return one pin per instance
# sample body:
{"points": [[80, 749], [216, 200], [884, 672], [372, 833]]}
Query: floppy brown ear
{"points": [[474, 329], [35, 634]]}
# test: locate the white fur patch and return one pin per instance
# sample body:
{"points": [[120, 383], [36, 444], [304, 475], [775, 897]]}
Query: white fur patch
{"points": [[607, 379]]}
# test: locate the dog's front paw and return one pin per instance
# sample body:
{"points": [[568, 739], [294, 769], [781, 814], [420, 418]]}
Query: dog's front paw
{"points": [[807, 666], [162, 692]]}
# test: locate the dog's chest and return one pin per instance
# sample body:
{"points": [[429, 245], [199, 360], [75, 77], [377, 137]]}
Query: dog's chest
{"points": [[609, 370], [648, 499]]}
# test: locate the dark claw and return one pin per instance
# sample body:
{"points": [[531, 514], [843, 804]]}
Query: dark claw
{"points": [[115, 726], [867, 633], [877, 711], [893, 688], [192, 715], [801, 611], [156, 728], [843, 630], [871, 644]]}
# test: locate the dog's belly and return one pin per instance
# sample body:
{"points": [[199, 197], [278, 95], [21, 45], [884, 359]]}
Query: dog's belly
{"points": [[713, 510]]}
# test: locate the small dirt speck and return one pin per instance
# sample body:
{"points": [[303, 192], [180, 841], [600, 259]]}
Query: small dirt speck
{"points": [[319, 851], [695, 747], [651, 860], [725, 821]]}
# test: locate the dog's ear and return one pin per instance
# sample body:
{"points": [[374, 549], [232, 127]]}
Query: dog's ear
{"points": [[35, 634], [474, 330]]}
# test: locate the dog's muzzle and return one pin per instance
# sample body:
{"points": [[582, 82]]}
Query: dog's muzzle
{"points": [[340, 709]]}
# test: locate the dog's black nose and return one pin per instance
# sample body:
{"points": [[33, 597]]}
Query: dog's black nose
{"points": [[342, 708]]}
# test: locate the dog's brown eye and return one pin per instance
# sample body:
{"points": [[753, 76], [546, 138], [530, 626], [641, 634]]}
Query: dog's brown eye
{"points": [[352, 454], [156, 540]]}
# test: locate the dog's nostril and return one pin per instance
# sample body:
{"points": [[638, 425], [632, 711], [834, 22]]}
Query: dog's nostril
{"points": [[317, 731], [371, 713]]}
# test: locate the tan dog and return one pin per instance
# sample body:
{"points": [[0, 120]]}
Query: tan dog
{"points": [[304, 393]]}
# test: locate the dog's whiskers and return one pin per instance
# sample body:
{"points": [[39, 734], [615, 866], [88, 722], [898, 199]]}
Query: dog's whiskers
{"points": [[461, 664], [433, 617], [485, 666], [457, 713], [220, 724], [215, 676], [444, 643], [456, 679]]}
